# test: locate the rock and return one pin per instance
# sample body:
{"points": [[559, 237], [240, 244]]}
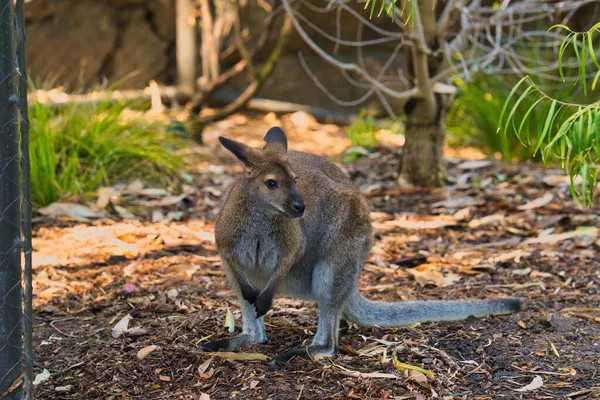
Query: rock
{"points": [[71, 48], [163, 12], [80, 43], [290, 82], [41, 9], [141, 55]]}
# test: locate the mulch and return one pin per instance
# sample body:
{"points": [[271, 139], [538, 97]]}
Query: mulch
{"points": [[495, 230]]}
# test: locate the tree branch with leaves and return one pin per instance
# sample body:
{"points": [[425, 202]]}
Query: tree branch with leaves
{"points": [[442, 40], [575, 140]]}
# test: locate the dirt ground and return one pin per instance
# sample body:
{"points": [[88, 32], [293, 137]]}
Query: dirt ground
{"points": [[496, 230]]}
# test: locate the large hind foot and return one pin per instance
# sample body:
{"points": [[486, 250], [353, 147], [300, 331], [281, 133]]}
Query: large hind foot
{"points": [[312, 352]]}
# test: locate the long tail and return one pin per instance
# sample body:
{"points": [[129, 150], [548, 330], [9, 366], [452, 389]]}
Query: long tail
{"points": [[365, 312]]}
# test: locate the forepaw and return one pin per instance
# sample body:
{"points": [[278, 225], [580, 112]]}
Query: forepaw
{"points": [[249, 293], [263, 304], [214, 345]]}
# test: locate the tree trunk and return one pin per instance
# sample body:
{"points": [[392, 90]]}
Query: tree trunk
{"points": [[186, 47], [423, 154]]}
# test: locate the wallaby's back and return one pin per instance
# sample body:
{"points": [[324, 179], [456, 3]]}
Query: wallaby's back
{"points": [[335, 209]]}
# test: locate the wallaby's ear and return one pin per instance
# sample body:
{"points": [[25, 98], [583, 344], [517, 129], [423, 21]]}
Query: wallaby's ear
{"points": [[276, 137], [244, 153]]}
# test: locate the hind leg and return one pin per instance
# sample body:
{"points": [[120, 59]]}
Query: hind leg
{"points": [[331, 298]]}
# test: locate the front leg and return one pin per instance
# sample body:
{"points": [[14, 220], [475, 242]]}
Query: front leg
{"points": [[239, 279], [265, 298], [264, 301], [253, 332]]}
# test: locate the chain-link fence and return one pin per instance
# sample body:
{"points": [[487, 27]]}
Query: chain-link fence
{"points": [[15, 210]]}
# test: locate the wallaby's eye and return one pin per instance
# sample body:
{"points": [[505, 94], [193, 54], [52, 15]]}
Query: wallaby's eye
{"points": [[271, 184]]}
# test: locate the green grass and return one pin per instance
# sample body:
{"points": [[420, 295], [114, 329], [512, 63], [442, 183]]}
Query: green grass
{"points": [[76, 149], [363, 132], [362, 135], [475, 117]]}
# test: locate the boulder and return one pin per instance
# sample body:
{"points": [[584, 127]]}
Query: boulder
{"points": [[72, 47], [141, 54]]}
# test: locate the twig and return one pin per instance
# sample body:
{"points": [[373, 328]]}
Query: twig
{"points": [[357, 374], [256, 84], [63, 320], [405, 95], [13, 387]]}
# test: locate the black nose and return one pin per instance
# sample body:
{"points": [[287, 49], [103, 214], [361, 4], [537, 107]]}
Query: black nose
{"points": [[298, 206]]}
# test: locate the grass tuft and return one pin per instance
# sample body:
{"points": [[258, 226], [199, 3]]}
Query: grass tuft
{"points": [[77, 148]]}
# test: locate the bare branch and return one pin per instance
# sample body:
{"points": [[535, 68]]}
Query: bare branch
{"points": [[250, 91], [346, 66]]}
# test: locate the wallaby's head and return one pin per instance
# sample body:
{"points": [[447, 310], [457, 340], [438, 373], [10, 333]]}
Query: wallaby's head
{"points": [[268, 175]]}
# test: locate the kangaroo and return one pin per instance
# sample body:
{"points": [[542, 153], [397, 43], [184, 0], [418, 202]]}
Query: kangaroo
{"points": [[294, 224]]}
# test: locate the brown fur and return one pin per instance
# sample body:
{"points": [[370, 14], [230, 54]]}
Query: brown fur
{"points": [[308, 238]]}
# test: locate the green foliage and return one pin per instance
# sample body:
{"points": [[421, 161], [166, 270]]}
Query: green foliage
{"points": [[362, 135], [364, 131], [475, 117], [389, 9], [568, 132], [76, 149]]}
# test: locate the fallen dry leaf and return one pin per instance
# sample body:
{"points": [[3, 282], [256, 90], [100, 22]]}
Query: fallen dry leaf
{"points": [[522, 324], [165, 201], [143, 353], [536, 383], [515, 255], [537, 203], [428, 274], [41, 377], [476, 164], [559, 237], [433, 222], [106, 195], [488, 219], [400, 366], [202, 368], [521, 272], [229, 355], [357, 374], [462, 214], [121, 326], [204, 396], [152, 192], [417, 376], [457, 202], [72, 210], [554, 350], [229, 321]]}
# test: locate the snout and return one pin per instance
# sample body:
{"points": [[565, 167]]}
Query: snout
{"points": [[298, 207]]}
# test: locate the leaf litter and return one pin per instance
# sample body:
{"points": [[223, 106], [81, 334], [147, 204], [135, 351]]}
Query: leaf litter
{"points": [[503, 242]]}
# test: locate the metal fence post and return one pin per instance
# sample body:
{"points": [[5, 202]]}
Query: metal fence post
{"points": [[25, 202], [11, 311]]}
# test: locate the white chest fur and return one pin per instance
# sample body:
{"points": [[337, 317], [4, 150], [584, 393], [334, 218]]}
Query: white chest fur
{"points": [[257, 253]]}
